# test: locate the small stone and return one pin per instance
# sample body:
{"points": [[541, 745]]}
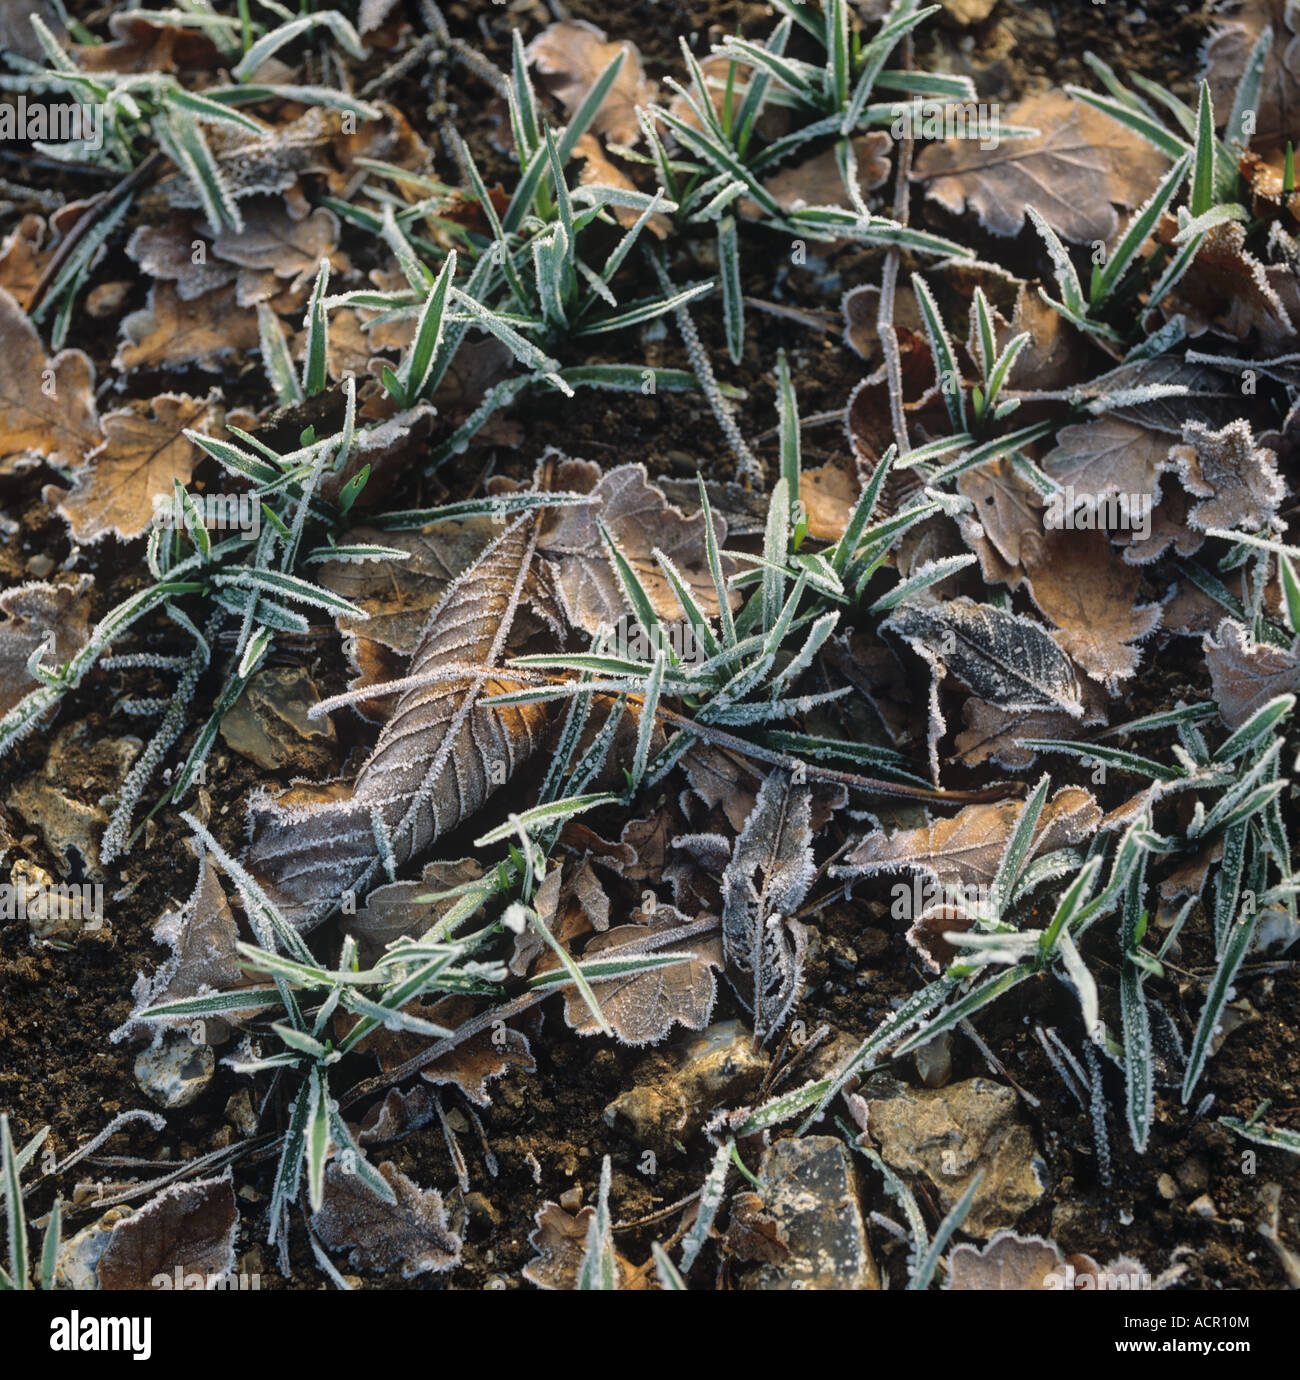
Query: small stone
{"points": [[934, 1060], [810, 1191], [1203, 1207], [951, 1134], [571, 1198], [716, 1067], [482, 1213], [839, 954], [79, 1256], [175, 1071], [268, 723], [39, 566], [969, 11], [1167, 1188], [240, 1113]]}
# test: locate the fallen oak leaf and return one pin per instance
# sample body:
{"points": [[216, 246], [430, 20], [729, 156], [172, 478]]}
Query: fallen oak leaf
{"points": [[135, 469], [560, 1240], [36, 615], [46, 405], [1235, 480], [569, 57], [642, 1008], [1074, 172], [411, 1234], [169, 333], [1246, 674], [967, 848]]}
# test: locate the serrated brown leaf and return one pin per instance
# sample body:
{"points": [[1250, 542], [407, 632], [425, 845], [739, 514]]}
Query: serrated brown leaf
{"points": [[765, 882], [1004, 658], [569, 57], [642, 1009], [1235, 479], [23, 258], [143, 454], [560, 1240], [966, 849], [190, 1227], [411, 1236], [170, 333], [437, 760], [1246, 674], [1080, 166], [640, 520], [46, 405], [1227, 289], [34, 613]]}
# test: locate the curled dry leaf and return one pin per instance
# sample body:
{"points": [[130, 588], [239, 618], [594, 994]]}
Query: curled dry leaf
{"points": [[144, 43], [1074, 172], [411, 1235], [187, 1229], [642, 1008], [437, 760], [396, 1116], [967, 848], [765, 882], [1227, 289], [569, 57], [723, 778], [46, 405], [560, 1240], [23, 258], [39, 614], [143, 455], [1246, 674], [1009, 1261], [202, 936]]}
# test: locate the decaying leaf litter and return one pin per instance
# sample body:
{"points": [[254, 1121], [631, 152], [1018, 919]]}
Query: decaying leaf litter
{"points": [[845, 796]]}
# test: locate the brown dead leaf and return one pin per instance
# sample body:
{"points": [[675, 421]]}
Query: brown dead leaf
{"points": [[38, 613], [599, 171], [411, 1235], [1236, 480], [817, 180], [170, 333], [1247, 674], [967, 848], [828, 495], [1080, 166], [1236, 31], [560, 1240], [202, 936], [46, 405], [274, 241], [397, 595], [23, 258], [141, 43], [994, 735], [641, 521], [642, 1009], [569, 57], [395, 911], [142, 456], [186, 1230], [1091, 595], [1227, 289], [396, 1116]]}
